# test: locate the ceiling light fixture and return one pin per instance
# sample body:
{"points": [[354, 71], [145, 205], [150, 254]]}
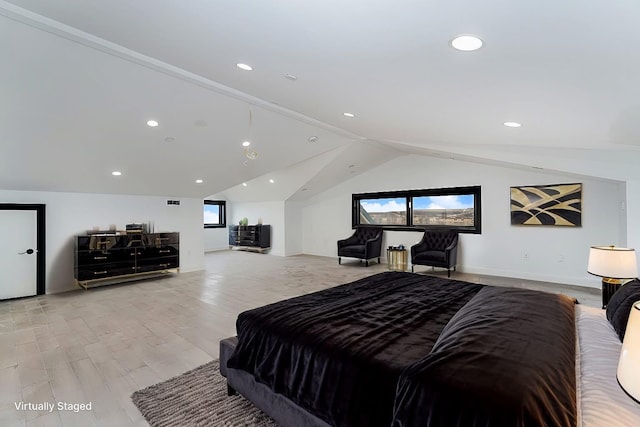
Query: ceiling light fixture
{"points": [[348, 115], [152, 123], [199, 181], [116, 173], [244, 67], [313, 138], [249, 153], [244, 184], [466, 42], [271, 181], [512, 124], [290, 77]]}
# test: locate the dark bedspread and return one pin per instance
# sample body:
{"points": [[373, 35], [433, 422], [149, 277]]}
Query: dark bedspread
{"points": [[340, 350], [506, 359], [409, 350]]}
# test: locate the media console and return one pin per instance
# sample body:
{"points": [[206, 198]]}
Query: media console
{"points": [[250, 237], [121, 257]]}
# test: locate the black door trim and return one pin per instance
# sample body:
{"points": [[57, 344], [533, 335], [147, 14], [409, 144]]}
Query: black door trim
{"points": [[40, 238]]}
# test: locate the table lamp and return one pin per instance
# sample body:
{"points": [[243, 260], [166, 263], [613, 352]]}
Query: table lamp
{"points": [[629, 364], [613, 264]]}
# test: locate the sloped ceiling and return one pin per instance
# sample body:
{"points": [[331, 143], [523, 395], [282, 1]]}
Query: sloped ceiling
{"points": [[80, 79]]}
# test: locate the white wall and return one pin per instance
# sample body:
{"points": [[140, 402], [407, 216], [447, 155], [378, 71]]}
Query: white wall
{"points": [[293, 228], [556, 254], [68, 214], [633, 214], [272, 213], [216, 239]]}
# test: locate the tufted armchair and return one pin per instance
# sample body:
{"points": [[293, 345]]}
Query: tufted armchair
{"points": [[438, 248], [365, 243]]}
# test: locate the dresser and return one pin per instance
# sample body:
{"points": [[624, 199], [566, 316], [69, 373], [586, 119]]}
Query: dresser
{"points": [[109, 257], [250, 237]]}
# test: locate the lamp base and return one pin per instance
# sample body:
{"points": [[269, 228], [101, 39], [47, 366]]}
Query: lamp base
{"points": [[609, 287]]}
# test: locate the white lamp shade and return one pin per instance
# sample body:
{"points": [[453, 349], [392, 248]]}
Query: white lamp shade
{"points": [[613, 262], [629, 364]]}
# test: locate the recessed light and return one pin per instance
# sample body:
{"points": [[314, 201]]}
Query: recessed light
{"points": [[512, 124], [466, 42], [152, 123], [199, 181], [169, 139], [290, 77], [246, 143], [116, 173], [348, 114], [313, 138], [244, 67], [271, 181], [244, 184]]}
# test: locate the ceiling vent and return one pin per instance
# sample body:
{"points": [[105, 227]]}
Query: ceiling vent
{"points": [[173, 202]]}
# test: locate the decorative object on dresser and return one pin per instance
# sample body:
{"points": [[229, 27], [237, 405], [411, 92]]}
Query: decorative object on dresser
{"points": [[613, 264], [438, 248], [250, 237], [365, 243], [110, 257]]}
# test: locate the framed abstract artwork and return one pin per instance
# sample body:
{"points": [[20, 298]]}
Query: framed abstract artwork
{"points": [[556, 204]]}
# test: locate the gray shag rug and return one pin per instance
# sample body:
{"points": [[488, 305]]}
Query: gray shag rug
{"points": [[197, 398]]}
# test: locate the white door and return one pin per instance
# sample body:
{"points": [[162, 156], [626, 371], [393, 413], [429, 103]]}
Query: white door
{"points": [[18, 253]]}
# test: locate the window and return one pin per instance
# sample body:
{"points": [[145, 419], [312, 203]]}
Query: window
{"points": [[215, 214], [452, 208], [387, 211]]}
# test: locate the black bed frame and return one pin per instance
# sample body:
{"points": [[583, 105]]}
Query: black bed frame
{"points": [[282, 410]]}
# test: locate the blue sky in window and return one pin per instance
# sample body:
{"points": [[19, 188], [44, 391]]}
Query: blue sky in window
{"points": [[384, 205], [211, 214], [443, 202]]}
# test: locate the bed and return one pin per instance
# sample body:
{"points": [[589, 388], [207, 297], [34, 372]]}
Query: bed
{"points": [[402, 349]]}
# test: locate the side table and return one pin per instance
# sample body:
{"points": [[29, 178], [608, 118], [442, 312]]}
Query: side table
{"points": [[397, 259]]}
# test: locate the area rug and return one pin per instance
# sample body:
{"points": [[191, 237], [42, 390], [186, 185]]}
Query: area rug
{"points": [[197, 398]]}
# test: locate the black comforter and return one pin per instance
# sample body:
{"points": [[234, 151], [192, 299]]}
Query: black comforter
{"points": [[360, 354]]}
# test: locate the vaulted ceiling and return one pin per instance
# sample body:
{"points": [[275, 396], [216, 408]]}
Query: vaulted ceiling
{"points": [[79, 80]]}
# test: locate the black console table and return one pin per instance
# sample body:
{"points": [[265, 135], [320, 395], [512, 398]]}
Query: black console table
{"points": [[121, 257], [250, 237]]}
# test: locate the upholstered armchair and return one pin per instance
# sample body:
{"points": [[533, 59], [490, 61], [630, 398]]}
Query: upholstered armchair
{"points": [[365, 243], [438, 248]]}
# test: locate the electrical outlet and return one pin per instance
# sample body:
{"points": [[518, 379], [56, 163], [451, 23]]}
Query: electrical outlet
{"points": [[526, 256]]}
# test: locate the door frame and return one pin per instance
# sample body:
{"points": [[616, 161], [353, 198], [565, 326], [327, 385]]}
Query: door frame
{"points": [[40, 238]]}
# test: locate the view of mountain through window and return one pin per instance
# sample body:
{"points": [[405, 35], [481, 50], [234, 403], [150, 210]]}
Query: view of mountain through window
{"points": [[444, 210]]}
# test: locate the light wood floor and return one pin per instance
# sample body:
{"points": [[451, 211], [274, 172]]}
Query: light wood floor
{"points": [[99, 346]]}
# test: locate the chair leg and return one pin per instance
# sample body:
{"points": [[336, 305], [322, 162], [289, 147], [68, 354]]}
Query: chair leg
{"points": [[378, 260], [412, 268], [448, 272], [366, 263], [339, 260]]}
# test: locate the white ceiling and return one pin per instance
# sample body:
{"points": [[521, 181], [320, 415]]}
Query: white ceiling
{"points": [[79, 79]]}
